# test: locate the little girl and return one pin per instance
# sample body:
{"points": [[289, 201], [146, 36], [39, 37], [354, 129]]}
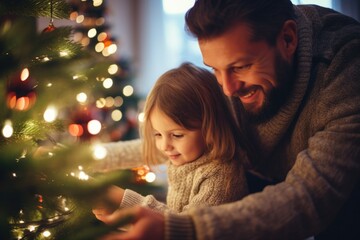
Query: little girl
{"points": [[188, 125]]}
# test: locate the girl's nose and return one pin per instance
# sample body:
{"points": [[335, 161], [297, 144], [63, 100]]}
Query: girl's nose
{"points": [[165, 144]]}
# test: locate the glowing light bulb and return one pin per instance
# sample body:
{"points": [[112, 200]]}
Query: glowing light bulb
{"points": [[7, 130], [128, 90], [108, 83], [92, 33], [46, 233], [141, 117], [113, 68], [94, 127], [81, 97], [24, 74], [50, 114], [150, 177], [83, 176], [99, 152], [116, 115]]}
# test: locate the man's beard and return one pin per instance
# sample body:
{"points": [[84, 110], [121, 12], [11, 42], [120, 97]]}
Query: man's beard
{"points": [[277, 96]]}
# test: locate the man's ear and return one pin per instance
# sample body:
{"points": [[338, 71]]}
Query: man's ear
{"points": [[288, 39]]}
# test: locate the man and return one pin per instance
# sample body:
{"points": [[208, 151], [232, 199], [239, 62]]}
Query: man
{"points": [[293, 75]]}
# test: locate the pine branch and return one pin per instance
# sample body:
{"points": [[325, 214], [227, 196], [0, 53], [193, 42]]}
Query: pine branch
{"points": [[35, 8]]}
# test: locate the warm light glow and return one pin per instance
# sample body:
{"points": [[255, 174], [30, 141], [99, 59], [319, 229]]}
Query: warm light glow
{"points": [[73, 15], [80, 19], [94, 127], [92, 33], [100, 21], [141, 117], [116, 115], [113, 68], [112, 48], [64, 53], [83, 176], [50, 114], [150, 177], [7, 130], [109, 102], [22, 103], [102, 36], [32, 228], [85, 41], [81, 97], [128, 90], [99, 152], [76, 130], [97, 3], [99, 47], [46, 233], [24, 74], [118, 101], [108, 83], [77, 36], [100, 103]]}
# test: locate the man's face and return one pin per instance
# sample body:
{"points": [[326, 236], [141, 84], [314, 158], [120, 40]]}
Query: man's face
{"points": [[255, 72]]}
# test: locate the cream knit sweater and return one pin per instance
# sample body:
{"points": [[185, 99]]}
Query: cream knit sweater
{"points": [[199, 183]]}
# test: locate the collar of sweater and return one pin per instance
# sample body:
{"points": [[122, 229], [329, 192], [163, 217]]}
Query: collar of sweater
{"points": [[271, 132]]}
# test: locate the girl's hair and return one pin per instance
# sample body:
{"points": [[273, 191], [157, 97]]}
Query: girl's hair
{"points": [[193, 99], [208, 19]]}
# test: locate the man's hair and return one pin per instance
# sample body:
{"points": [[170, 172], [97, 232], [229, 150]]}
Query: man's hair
{"points": [[211, 18], [192, 98]]}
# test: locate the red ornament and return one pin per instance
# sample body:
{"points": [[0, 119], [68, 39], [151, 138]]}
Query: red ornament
{"points": [[21, 93], [49, 28]]}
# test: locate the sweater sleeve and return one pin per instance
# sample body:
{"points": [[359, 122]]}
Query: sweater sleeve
{"points": [[132, 198], [120, 155]]}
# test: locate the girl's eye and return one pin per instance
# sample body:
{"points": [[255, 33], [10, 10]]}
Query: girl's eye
{"points": [[157, 134], [177, 135]]}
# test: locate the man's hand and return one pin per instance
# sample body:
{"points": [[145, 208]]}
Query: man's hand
{"points": [[147, 224]]}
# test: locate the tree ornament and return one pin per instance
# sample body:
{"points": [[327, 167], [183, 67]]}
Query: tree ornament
{"points": [[21, 93], [51, 26]]}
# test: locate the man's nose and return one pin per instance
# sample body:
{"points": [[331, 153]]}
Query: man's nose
{"points": [[229, 84]]}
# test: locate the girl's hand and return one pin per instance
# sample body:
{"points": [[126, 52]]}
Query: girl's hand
{"points": [[108, 203]]}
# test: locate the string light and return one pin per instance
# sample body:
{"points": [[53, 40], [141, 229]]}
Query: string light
{"points": [[150, 177], [81, 97], [141, 117], [128, 90], [113, 68], [46, 233], [99, 152], [92, 33], [50, 114], [116, 115], [94, 127], [7, 130], [108, 82]]}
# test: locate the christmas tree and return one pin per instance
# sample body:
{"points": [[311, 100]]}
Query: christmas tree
{"points": [[45, 80]]}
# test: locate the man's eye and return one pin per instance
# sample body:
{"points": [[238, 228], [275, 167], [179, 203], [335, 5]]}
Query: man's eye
{"points": [[241, 68]]}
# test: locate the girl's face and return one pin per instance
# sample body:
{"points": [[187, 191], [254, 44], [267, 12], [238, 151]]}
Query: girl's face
{"points": [[180, 145]]}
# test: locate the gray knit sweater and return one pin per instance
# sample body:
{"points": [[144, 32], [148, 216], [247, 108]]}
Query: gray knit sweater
{"points": [[311, 147]]}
